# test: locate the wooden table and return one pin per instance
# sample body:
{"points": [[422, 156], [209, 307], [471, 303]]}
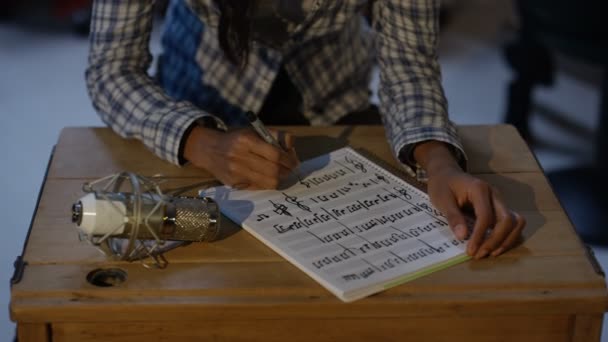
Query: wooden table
{"points": [[547, 289]]}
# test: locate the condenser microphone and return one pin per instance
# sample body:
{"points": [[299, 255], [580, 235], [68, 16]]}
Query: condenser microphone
{"points": [[138, 222], [176, 218]]}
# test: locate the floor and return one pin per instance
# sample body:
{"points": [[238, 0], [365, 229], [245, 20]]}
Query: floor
{"points": [[42, 90]]}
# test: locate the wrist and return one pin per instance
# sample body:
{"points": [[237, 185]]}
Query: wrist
{"points": [[194, 148], [435, 157]]}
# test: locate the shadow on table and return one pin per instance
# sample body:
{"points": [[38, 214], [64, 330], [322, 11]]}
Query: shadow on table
{"points": [[520, 197], [308, 147]]}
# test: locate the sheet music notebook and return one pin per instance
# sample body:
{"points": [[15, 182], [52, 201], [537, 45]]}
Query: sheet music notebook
{"points": [[351, 225]]}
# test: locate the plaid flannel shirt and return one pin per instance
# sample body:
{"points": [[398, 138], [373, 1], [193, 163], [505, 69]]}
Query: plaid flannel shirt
{"points": [[328, 58]]}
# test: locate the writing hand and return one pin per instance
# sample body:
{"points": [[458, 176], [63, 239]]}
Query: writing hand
{"points": [[496, 228], [241, 158]]}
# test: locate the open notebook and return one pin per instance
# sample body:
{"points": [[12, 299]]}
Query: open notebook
{"points": [[348, 223]]}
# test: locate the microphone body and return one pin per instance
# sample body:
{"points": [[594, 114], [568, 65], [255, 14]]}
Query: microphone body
{"points": [[127, 217], [162, 217]]}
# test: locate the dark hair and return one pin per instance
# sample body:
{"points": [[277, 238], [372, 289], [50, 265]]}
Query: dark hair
{"points": [[234, 29]]}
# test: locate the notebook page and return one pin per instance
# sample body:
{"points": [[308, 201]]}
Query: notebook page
{"points": [[348, 223]]}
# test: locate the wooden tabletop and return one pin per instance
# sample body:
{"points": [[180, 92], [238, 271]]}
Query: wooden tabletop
{"points": [[240, 278]]}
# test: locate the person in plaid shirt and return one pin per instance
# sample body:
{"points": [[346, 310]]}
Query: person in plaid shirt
{"points": [[291, 62]]}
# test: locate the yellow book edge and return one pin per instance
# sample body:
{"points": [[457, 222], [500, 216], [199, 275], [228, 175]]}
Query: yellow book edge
{"points": [[361, 293]]}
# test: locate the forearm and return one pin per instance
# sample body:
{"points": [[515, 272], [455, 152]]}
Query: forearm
{"points": [[411, 96], [135, 107], [131, 102], [195, 150]]}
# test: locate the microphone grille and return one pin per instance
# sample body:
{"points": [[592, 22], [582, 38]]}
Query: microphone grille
{"points": [[196, 219]]}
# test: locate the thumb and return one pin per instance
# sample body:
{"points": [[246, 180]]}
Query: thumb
{"points": [[284, 139], [287, 142], [455, 218]]}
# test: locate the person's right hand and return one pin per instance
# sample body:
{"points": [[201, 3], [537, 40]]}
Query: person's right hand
{"points": [[241, 158]]}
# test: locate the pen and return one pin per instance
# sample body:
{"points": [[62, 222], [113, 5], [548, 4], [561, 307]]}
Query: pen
{"points": [[261, 130]]}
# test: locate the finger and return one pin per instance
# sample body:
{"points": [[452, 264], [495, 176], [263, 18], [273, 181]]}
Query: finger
{"points": [[242, 171], [287, 142], [484, 216], [242, 185], [294, 156], [514, 236], [272, 153], [260, 181], [285, 139], [505, 223], [265, 167], [234, 182], [447, 205]]}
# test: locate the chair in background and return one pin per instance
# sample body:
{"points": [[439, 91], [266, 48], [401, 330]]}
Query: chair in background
{"points": [[578, 30]]}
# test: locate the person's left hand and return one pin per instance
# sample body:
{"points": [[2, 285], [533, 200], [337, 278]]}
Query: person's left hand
{"points": [[496, 228]]}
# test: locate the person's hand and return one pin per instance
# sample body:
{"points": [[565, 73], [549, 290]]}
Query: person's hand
{"points": [[496, 228], [241, 158]]}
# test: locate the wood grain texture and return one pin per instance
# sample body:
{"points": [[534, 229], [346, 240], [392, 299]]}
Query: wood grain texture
{"points": [[278, 289], [448, 329], [543, 290], [587, 328], [280, 277], [97, 152], [498, 148], [33, 332], [54, 234], [548, 233], [523, 191]]}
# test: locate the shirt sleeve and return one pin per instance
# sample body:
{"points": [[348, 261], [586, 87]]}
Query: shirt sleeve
{"points": [[412, 101], [127, 99]]}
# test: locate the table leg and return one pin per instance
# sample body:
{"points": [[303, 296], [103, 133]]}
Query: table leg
{"points": [[33, 332], [587, 328]]}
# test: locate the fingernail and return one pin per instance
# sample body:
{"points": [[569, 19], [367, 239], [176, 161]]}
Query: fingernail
{"points": [[461, 231], [498, 252], [471, 249], [481, 254]]}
